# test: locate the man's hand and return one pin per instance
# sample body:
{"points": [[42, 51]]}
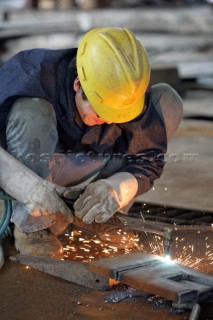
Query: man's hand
{"points": [[44, 199], [103, 198], [98, 202]]}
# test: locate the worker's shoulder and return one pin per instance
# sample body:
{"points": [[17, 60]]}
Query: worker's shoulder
{"points": [[36, 55], [164, 91]]}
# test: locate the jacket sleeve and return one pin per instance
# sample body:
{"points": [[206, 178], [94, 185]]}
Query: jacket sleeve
{"points": [[146, 167], [143, 144]]}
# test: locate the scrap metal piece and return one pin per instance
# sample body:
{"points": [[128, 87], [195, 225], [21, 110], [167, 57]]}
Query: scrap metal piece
{"points": [[195, 312], [157, 276], [168, 242], [75, 272], [194, 307]]}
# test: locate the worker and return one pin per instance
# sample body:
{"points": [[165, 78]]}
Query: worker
{"points": [[80, 116]]}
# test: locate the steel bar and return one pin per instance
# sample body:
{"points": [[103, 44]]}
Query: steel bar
{"points": [[157, 227], [75, 272], [141, 225], [177, 221]]}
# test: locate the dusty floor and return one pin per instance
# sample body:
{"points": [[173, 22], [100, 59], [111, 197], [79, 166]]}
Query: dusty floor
{"points": [[30, 294]]}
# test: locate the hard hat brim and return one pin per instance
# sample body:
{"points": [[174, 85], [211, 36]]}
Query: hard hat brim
{"points": [[119, 115]]}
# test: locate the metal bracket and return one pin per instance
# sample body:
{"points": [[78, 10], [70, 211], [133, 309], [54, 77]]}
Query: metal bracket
{"points": [[157, 276]]}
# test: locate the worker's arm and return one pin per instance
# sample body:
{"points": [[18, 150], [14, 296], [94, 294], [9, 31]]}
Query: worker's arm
{"points": [[103, 198], [40, 196], [146, 167]]}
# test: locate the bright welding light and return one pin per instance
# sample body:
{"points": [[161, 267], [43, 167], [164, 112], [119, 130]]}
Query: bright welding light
{"points": [[167, 259]]}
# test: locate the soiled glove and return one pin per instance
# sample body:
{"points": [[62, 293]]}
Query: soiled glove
{"points": [[45, 199], [103, 198]]}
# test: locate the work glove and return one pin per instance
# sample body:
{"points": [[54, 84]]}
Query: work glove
{"points": [[40, 196], [44, 199], [101, 199]]}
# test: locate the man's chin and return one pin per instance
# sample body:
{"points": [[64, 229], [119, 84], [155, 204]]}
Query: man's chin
{"points": [[91, 123]]}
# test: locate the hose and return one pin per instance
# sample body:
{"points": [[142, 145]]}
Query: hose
{"points": [[4, 220], [6, 212]]}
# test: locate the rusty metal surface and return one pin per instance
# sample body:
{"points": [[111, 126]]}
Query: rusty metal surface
{"points": [[157, 276], [75, 272]]}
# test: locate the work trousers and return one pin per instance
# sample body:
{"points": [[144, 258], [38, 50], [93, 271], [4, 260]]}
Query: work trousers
{"points": [[32, 138]]}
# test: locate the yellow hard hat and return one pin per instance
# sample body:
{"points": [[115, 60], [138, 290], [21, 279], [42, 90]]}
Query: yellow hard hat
{"points": [[114, 72]]}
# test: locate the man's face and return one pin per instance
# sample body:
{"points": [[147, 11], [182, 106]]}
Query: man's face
{"points": [[85, 110]]}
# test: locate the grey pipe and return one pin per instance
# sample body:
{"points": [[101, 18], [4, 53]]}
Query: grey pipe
{"points": [[15, 178], [195, 312]]}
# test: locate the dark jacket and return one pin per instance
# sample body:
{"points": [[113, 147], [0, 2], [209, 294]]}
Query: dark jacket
{"points": [[45, 73]]}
